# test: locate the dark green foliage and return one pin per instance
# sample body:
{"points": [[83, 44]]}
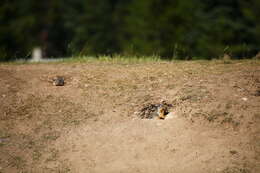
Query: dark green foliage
{"points": [[168, 28]]}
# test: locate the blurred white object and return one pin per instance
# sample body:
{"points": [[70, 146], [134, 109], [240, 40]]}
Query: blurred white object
{"points": [[37, 54], [244, 98]]}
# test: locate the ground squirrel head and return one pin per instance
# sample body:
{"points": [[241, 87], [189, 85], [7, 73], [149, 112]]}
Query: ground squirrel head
{"points": [[162, 112]]}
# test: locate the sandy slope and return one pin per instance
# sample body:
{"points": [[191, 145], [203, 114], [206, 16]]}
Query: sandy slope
{"points": [[89, 125], [152, 146]]}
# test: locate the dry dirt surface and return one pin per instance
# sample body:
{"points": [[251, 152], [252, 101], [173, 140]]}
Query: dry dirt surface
{"points": [[90, 123]]}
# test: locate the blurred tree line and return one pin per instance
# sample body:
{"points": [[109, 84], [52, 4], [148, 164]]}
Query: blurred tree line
{"points": [[177, 29]]}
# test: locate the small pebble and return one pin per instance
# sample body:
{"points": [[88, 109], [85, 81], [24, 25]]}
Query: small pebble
{"points": [[233, 152], [244, 98]]}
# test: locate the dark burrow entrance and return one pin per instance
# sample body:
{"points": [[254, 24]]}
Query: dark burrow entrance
{"points": [[154, 110]]}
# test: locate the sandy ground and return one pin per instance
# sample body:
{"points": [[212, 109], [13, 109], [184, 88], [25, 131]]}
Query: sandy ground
{"points": [[90, 125]]}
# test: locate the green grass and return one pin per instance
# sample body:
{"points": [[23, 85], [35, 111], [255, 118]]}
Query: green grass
{"points": [[116, 59], [120, 59]]}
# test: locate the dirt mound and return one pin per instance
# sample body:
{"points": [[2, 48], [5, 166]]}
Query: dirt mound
{"points": [[150, 111]]}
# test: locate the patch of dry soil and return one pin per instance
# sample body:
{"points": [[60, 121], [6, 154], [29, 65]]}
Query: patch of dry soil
{"points": [[90, 125]]}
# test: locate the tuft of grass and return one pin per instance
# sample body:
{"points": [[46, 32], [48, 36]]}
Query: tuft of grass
{"points": [[51, 136], [36, 155], [236, 170], [17, 162], [53, 155], [123, 59], [117, 59]]}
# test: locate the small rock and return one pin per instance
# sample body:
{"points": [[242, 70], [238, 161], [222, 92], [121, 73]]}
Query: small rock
{"points": [[233, 152], [2, 140], [3, 95], [244, 98], [136, 113]]}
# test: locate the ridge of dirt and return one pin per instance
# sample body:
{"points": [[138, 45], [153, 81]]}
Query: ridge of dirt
{"points": [[90, 125]]}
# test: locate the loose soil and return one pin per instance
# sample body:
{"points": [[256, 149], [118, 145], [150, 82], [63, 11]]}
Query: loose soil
{"points": [[90, 123]]}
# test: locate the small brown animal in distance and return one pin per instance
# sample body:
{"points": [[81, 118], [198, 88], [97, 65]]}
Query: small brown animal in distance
{"points": [[58, 81]]}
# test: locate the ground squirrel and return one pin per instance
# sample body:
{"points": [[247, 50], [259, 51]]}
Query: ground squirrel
{"points": [[159, 111], [58, 81], [162, 111]]}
